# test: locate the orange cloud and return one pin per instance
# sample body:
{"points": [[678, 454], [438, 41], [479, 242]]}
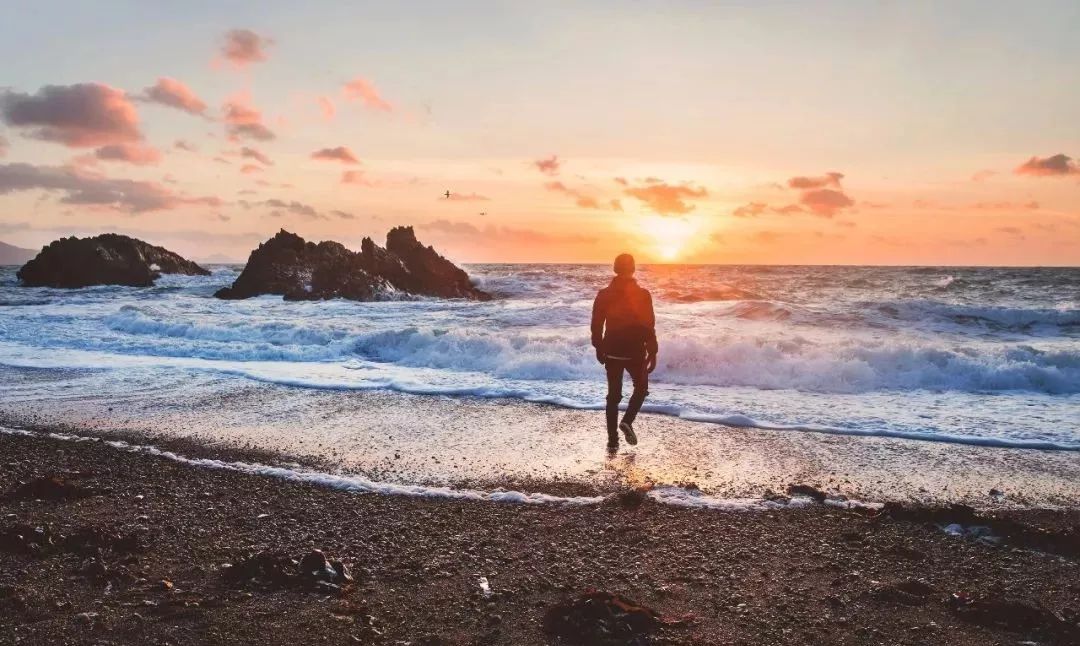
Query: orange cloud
{"points": [[828, 179], [250, 169], [983, 174], [242, 47], [583, 200], [174, 94], [362, 90], [666, 199], [244, 120], [1005, 206], [84, 115], [825, 202], [131, 153], [466, 197], [548, 166], [339, 154], [1053, 166]]}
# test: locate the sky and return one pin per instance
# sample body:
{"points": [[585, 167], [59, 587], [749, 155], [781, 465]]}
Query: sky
{"points": [[911, 133]]}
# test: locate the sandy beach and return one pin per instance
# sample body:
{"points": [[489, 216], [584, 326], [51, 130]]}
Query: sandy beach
{"points": [[131, 546]]}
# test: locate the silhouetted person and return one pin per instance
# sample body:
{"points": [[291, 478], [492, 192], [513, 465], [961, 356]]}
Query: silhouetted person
{"points": [[624, 335]]}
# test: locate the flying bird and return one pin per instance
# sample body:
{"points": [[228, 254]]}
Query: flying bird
{"points": [[482, 213], [447, 194]]}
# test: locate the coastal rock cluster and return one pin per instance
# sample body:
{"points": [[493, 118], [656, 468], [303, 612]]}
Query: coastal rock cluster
{"points": [[297, 269], [107, 259]]}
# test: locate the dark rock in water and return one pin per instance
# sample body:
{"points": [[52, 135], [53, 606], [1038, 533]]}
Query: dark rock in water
{"points": [[108, 259], [808, 491], [299, 270], [601, 618]]}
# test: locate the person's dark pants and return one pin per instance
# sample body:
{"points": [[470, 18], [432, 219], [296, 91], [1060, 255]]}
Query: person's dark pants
{"points": [[639, 376]]}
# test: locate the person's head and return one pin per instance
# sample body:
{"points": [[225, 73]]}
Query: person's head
{"points": [[624, 265]]}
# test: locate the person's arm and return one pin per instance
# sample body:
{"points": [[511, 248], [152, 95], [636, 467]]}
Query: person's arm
{"points": [[651, 346], [599, 314]]}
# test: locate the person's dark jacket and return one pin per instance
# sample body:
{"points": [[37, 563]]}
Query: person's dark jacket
{"points": [[623, 322]]}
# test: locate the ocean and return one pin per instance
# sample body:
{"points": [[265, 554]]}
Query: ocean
{"points": [[984, 356]]}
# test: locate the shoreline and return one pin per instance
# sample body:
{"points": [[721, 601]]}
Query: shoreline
{"points": [[788, 575], [433, 441]]}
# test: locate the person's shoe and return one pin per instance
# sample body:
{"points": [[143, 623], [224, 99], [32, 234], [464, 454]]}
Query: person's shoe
{"points": [[613, 441], [628, 431]]}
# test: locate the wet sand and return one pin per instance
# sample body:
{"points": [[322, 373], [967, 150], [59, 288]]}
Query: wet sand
{"points": [[487, 443], [137, 553]]}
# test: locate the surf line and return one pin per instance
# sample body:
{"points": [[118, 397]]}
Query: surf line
{"points": [[668, 495]]}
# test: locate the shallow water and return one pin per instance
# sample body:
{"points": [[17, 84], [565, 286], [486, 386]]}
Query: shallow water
{"points": [[979, 356]]}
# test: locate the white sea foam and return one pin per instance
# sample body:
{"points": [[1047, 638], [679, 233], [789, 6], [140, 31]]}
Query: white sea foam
{"points": [[677, 496]]}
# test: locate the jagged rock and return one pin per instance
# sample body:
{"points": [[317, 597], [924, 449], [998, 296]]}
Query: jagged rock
{"points": [[601, 618], [278, 570], [299, 270], [108, 259]]}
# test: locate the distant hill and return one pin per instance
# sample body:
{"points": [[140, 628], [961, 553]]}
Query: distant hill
{"points": [[12, 255]]}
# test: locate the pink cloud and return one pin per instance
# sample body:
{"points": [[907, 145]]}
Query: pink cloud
{"points": [[828, 179], [249, 169], [244, 120], [137, 154], [327, 107], [182, 144], [3, 146], [825, 202], [242, 47], [466, 197], [666, 199], [548, 166], [983, 174], [339, 154], [356, 178], [95, 191], [1053, 166], [362, 90], [84, 115], [174, 94], [251, 153]]}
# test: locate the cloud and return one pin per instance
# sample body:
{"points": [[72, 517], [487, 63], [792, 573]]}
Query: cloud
{"points": [[548, 166], [503, 234], [283, 208], [244, 120], [1054, 166], [242, 47], [1005, 206], [250, 169], [664, 198], [137, 154], [327, 107], [466, 197], [4, 145], [340, 154], [125, 195], [84, 115], [750, 210], [825, 202], [828, 179], [364, 91], [344, 215], [983, 174], [183, 144], [583, 200], [174, 94], [251, 153], [356, 177]]}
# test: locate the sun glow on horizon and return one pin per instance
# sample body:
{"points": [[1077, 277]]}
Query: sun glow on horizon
{"points": [[668, 237]]}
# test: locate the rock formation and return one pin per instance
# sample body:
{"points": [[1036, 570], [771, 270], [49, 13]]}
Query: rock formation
{"points": [[299, 270], [107, 259]]}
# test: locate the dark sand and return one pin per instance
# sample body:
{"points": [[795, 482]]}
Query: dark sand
{"points": [[795, 576]]}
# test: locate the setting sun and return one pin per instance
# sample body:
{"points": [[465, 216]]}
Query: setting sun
{"points": [[668, 238]]}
